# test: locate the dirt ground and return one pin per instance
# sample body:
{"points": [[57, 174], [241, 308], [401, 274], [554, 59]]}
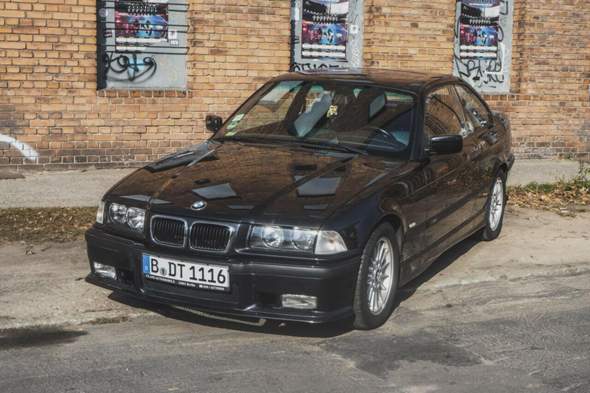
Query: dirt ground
{"points": [[510, 315]]}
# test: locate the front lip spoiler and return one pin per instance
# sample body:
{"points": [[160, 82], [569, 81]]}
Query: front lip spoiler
{"points": [[252, 311], [510, 162]]}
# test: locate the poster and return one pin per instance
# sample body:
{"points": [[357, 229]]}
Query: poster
{"points": [[326, 34], [140, 23], [479, 25], [324, 31], [483, 44]]}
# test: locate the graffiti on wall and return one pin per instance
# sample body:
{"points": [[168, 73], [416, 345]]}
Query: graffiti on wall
{"points": [[24, 149], [142, 44], [483, 44], [326, 34]]}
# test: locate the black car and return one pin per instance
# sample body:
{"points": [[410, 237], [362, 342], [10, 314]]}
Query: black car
{"points": [[316, 200]]}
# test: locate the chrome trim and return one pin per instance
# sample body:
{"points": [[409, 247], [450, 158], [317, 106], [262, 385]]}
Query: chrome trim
{"points": [[233, 229], [185, 222]]}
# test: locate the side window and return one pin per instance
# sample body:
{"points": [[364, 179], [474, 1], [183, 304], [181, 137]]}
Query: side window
{"points": [[475, 109], [444, 114]]}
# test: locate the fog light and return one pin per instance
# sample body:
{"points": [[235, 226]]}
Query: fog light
{"points": [[105, 271], [301, 302]]}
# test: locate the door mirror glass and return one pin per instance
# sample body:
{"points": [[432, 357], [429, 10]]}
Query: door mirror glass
{"points": [[446, 144], [213, 123]]}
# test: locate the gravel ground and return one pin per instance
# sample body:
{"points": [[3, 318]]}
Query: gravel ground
{"points": [[505, 316]]}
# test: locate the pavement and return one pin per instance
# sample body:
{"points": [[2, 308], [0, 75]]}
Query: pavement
{"points": [[512, 315], [81, 188], [542, 171], [84, 188]]}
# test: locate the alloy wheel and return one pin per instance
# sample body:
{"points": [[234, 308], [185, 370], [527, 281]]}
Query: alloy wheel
{"points": [[380, 276], [496, 204]]}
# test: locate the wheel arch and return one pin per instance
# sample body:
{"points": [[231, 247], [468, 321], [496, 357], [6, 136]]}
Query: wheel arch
{"points": [[397, 223]]}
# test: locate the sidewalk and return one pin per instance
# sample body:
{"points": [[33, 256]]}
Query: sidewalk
{"points": [[85, 187], [59, 189]]}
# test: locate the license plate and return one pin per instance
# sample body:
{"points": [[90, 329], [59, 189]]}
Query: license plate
{"points": [[186, 274]]}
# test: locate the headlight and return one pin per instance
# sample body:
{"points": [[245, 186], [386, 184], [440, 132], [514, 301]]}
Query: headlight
{"points": [[296, 239], [132, 217], [118, 213], [272, 237], [100, 213], [135, 218]]}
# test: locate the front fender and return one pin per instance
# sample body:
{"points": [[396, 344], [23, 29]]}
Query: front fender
{"points": [[357, 221]]}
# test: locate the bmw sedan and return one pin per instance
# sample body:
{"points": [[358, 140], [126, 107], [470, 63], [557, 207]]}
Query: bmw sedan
{"points": [[319, 197]]}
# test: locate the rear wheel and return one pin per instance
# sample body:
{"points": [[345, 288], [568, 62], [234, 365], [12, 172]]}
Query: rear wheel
{"points": [[377, 280], [495, 207]]}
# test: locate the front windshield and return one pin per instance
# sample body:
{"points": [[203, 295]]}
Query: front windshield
{"points": [[364, 117]]}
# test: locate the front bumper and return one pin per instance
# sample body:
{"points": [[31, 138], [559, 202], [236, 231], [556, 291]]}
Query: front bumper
{"points": [[256, 286], [510, 161]]}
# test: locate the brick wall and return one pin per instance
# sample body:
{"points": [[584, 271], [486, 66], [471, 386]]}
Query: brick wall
{"points": [[48, 96]]}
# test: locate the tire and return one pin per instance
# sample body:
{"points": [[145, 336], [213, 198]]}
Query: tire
{"points": [[369, 315], [496, 199]]}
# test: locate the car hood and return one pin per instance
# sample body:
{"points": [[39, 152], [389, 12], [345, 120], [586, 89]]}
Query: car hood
{"points": [[254, 182]]}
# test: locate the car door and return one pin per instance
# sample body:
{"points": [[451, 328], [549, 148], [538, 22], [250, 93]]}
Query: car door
{"points": [[445, 174], [478, 146]]}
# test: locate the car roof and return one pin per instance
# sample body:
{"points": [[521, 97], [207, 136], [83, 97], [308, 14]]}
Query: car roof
{"points": [[415, 82]]}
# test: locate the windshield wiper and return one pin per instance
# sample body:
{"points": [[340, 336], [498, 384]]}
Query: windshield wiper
{"points": [[330, 146], [304, 143], [242, 138]]}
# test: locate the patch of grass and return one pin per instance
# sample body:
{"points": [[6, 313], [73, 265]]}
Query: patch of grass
{"points": [[539, 187], [566, 197], [45, 224]]}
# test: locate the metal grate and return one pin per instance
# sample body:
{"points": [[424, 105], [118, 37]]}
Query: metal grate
{"points": [[209, 237], [169, 231]]}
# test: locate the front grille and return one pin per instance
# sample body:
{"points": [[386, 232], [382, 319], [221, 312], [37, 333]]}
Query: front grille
{"points": [[168, 231], [209, 237]]}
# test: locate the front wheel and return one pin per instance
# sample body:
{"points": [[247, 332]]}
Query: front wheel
{"points": [[377, 279], [495, 207]]}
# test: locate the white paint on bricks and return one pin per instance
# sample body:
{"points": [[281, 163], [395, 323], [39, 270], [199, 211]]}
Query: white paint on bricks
{"points": [[27, 151]]}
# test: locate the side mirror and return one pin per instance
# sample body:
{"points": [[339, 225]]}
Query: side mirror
{"points": [[446, 144], [213, 123]]}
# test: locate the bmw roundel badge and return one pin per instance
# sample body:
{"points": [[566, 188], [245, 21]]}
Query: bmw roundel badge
{"points": [[199, 205]]}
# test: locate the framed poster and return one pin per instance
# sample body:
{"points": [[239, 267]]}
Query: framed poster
{"points": [[326, 34], [483, 44], [142, 44]]}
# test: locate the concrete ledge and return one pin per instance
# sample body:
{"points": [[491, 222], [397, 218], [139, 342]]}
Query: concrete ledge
{"points": [[542, 171]]}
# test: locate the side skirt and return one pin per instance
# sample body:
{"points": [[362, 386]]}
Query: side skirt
{"points": [[413, 267]]}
